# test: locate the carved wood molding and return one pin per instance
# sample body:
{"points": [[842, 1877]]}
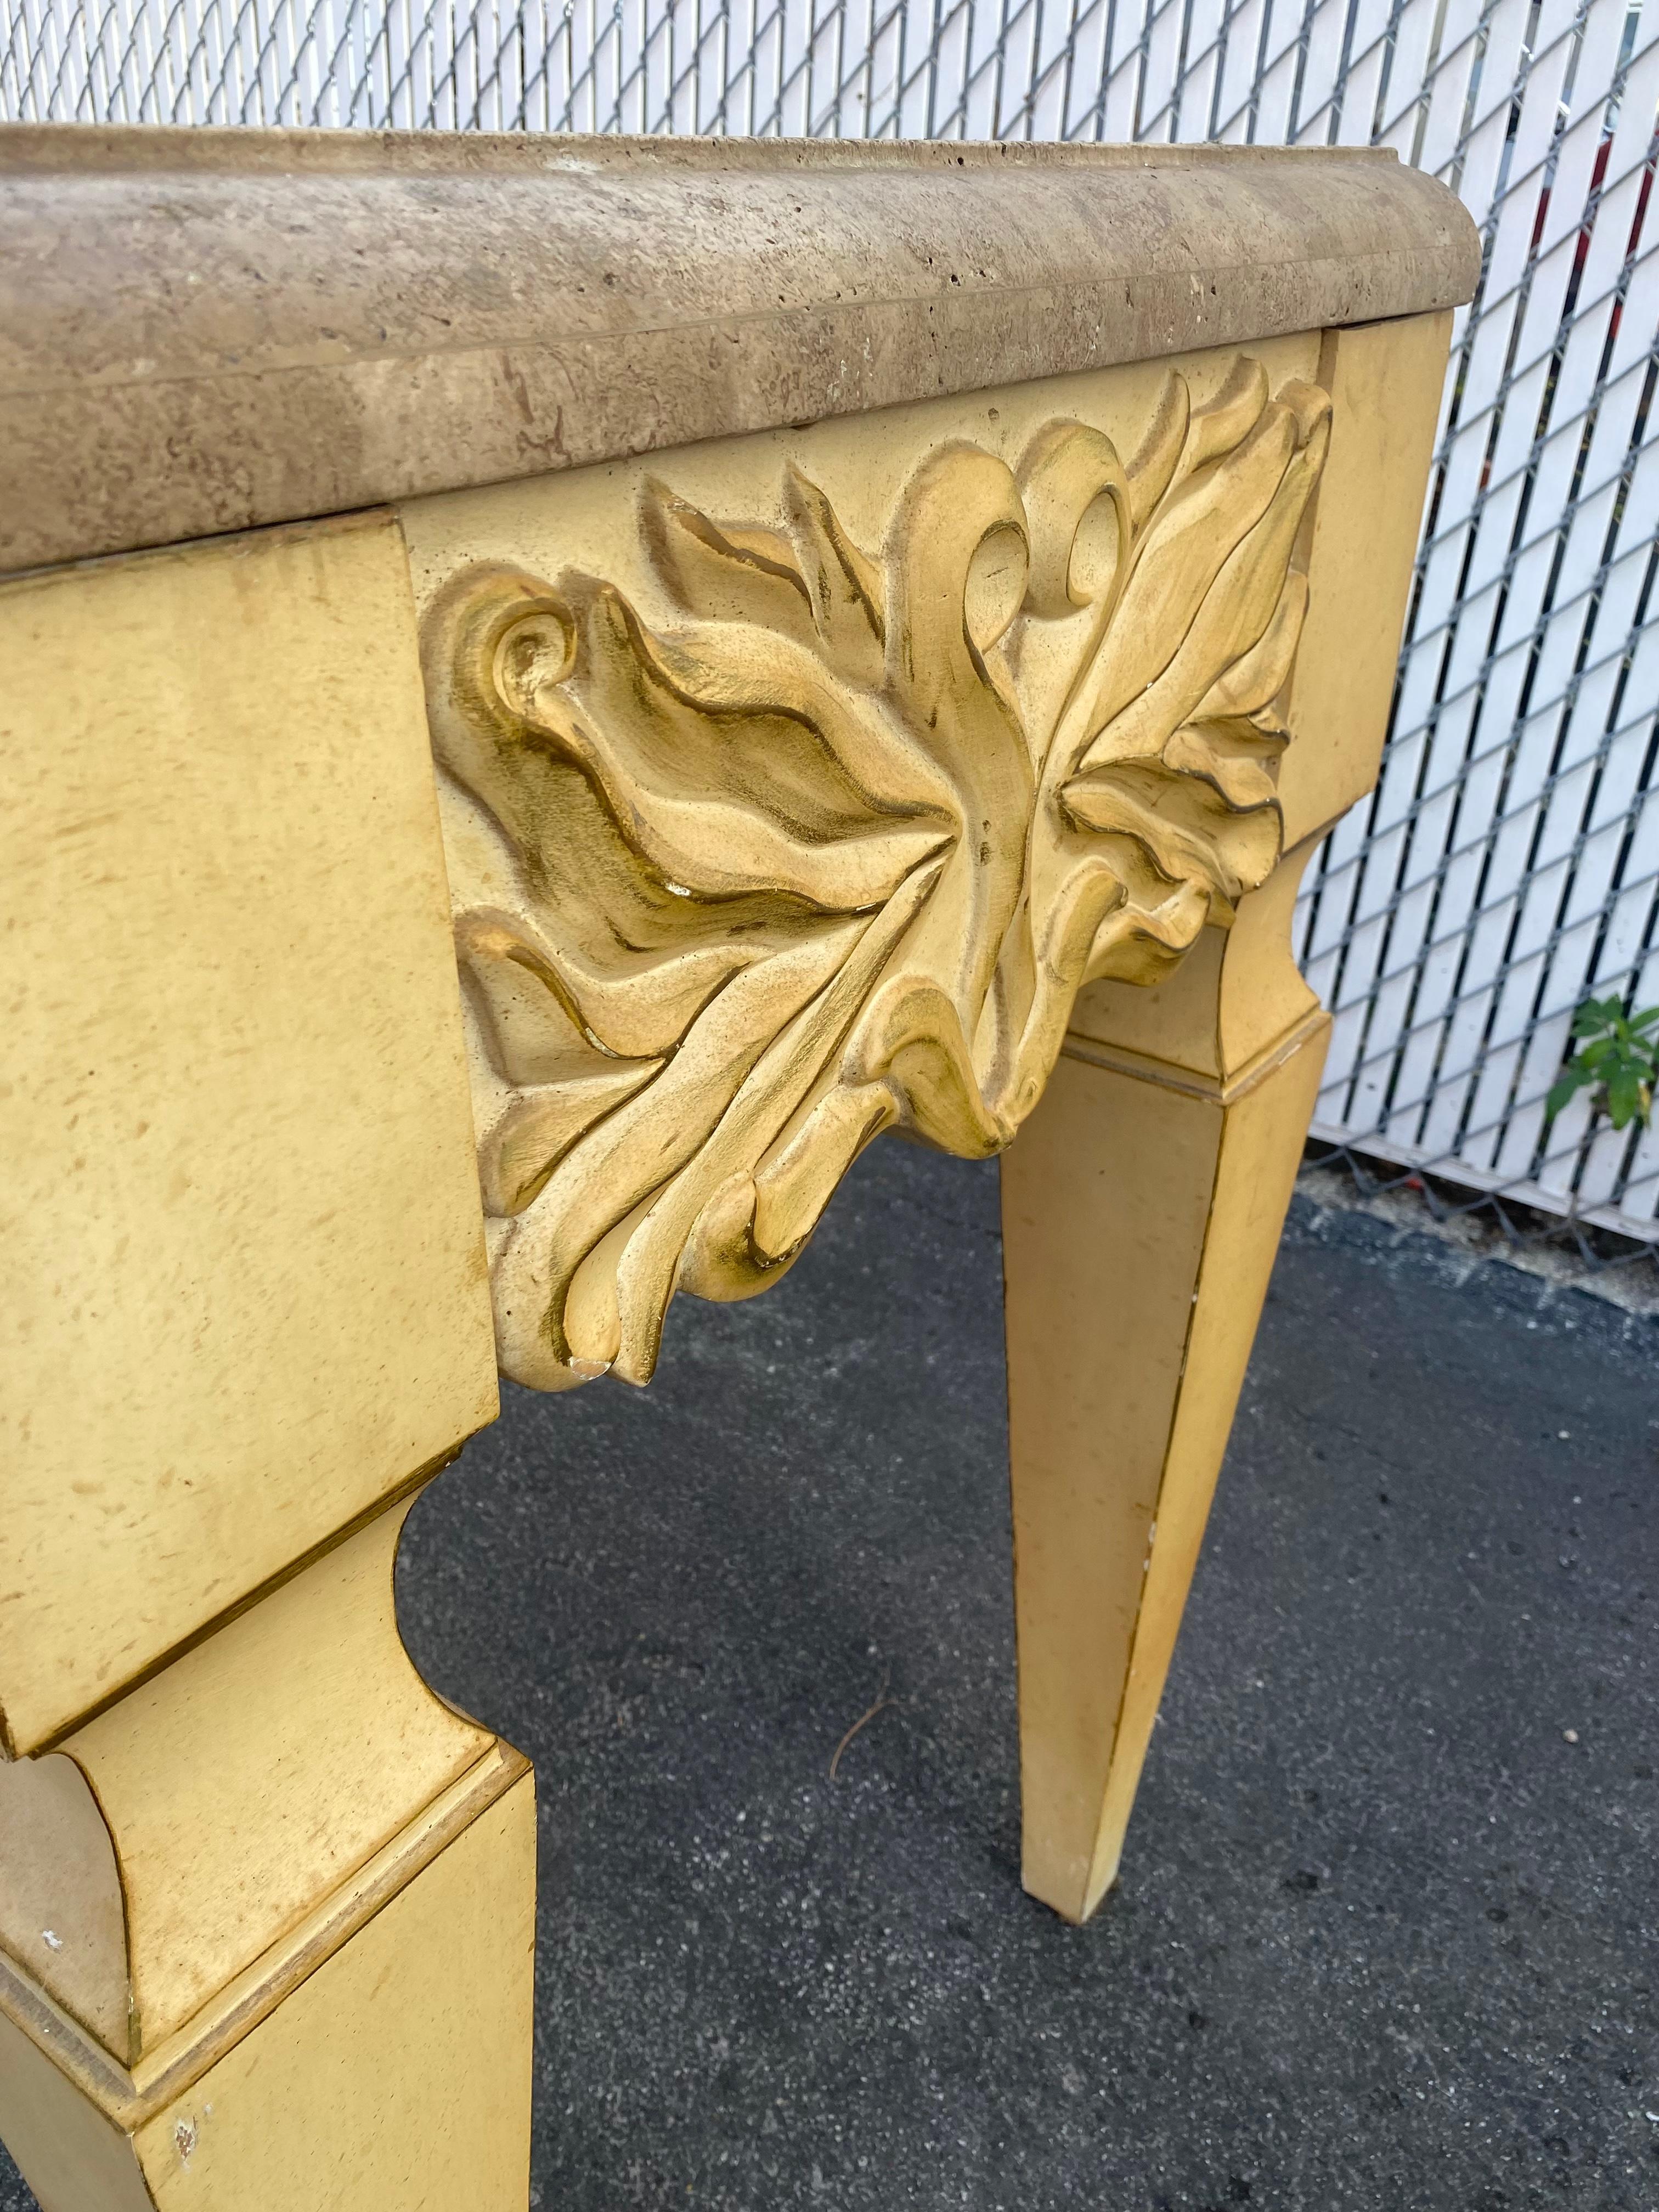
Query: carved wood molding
{"points": [[834, 849]]}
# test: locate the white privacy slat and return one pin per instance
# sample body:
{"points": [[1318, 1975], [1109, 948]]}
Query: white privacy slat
{"points": [[1113, 112], [1231, 114], [1159, 90], [1586, 716], [1204, 45], [1436, 112], [1458, 952], [1074, 30], [908, 117], [1408, 65], [1326, 43], [960, 41], [1273, 95], [1636, 1183], [1536, 578], [1508, 860]]}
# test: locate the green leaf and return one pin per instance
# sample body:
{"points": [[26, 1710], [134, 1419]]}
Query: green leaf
{"points": [[1566, 1085], [1623, 1096]]}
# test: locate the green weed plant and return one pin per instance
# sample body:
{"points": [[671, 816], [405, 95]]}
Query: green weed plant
{"points": [[1616, 1060]]}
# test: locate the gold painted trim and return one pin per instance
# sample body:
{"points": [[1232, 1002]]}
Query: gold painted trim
{"points": [[129, 2098], [1170, 1076]]}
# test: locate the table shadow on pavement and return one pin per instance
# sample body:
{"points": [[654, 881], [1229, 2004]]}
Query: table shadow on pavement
{"points": [[1384, 1932]]}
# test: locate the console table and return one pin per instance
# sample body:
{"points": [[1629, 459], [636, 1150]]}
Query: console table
{"points": [[553, 690]]}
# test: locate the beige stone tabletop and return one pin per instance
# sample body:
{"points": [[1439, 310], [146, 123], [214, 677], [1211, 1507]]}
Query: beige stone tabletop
{"points": [[205, 330]]}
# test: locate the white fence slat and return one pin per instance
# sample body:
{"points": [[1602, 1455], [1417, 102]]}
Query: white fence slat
{"points": [[1233, 111]]}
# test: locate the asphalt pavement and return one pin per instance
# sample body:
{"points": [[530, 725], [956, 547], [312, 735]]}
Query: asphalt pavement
{"points": [[1385, 1934]]}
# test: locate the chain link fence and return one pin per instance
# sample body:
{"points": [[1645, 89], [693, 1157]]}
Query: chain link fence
{"points": [[1508, 866]]}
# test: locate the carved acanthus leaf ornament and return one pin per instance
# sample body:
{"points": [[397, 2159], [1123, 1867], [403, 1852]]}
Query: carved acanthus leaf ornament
{"points": [[834, 849]]}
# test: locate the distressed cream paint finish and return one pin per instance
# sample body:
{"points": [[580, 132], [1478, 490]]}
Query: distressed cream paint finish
{"points": [[796, 808], [249, 1318], [400, 2068], [238, 1186], [793, 786], [220, 1855]]}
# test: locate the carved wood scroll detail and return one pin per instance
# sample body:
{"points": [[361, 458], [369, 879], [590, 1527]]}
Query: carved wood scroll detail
{"points": [[834, 849]]}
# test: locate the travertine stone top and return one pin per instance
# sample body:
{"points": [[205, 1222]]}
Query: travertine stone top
{"points": [[202, 331]]}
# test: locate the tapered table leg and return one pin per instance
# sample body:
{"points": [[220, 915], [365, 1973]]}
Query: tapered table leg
{"points": [[1142, 1205]]}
